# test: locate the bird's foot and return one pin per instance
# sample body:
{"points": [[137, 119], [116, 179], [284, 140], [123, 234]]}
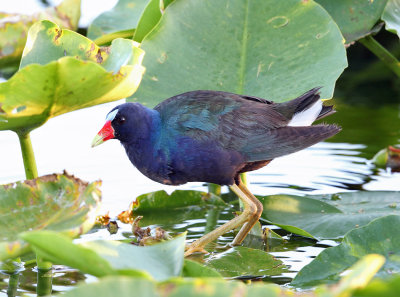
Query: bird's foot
{"points": [[194, 249]]}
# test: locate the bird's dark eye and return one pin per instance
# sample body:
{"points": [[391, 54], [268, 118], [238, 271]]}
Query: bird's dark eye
{"points": [[120, 120]]}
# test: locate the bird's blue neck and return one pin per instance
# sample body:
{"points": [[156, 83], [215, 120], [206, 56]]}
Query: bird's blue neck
{"points": [[142, 146]]}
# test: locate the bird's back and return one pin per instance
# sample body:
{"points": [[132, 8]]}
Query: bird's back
{"points": [[228, 133]]}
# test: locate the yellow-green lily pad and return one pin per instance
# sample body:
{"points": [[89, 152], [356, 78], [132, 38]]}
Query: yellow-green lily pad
{"points": [[58, 202], [62, 71], [14, 28]]}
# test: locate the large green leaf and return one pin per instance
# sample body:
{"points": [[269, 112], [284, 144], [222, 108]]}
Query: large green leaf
{"points": [[356, 18], [150, 17], [129, 18], [161, 201], [269, 48], [100, 258], [328, 216], [379, 288], [121, 286], [199, 287], [49, 244], [391, 16], [56, 202], [120, 21], [195, 269], [243, 261], [358, 278], [14, 28], [50, 83], [214, 287], [381, 236], [162, 260]]}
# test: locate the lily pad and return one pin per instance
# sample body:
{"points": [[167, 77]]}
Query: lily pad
{"points": [[58, 202], [161, 201], [268, 48], [381, 236], [199, 287], [115, 286], [105, 257], [128, 19], [380, 287], [120, 21], [195, 269], [242, 261], [50, 83], [216, 287], [14, 28], [391, 16], [355, 18], [150, 17], [328, 216]]}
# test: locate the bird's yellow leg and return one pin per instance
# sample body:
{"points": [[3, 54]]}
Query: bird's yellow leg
{"points": [[253, 217], [250, 209]]}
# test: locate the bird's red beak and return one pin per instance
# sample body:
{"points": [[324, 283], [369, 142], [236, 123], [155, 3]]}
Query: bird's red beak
{"points": [[106, 133]]}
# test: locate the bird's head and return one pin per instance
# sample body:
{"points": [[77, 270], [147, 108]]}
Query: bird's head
{"points": [[120, 123]]}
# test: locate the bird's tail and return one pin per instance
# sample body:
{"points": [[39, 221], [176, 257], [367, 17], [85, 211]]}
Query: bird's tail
{"points": [[305, 109]]}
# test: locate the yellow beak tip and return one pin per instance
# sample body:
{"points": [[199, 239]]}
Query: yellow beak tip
{"points": [[97, 140]]}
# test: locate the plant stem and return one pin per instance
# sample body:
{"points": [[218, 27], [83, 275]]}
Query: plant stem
{"points": [[44, 282], [28, 155], [214, 189], [243, 176], [382, 53], [13, 285], [42, 264]]}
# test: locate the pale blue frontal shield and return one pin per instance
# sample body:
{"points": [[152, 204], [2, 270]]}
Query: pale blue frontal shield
{"points": [[111, 115]]}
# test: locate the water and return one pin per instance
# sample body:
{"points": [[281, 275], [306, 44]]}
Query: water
{"points": [[342, 164]]}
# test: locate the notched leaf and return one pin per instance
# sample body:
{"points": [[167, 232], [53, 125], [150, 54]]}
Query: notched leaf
{"points": [[14, 28], [59, 202], [160, 200], [66, 83]]}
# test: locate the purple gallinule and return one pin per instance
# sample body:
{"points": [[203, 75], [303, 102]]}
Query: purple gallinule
{"points": [[211, 136]]}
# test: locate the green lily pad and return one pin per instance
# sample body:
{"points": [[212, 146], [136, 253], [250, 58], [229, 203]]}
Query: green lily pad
{"points": [[162, 260], [268, 48], [358, 277], [216, 287], [14, 28], [115, 286], [355, 18], [105, 257], [328, 216], [50, 83], [128, 19], [242, 261], [161, 201], [195, 269], [58, 202], [120, 21], [381, 236], [150, 17], [170, 217], [199, 287], [391, 16], [380, 287]]}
